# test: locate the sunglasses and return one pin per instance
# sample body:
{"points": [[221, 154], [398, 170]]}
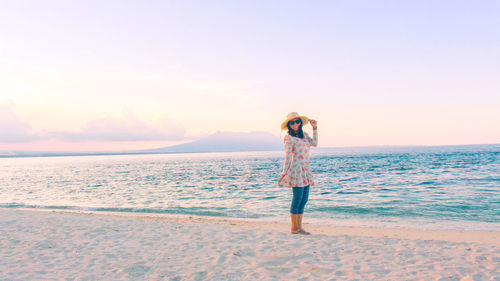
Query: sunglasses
{"points": [[298, 121]]}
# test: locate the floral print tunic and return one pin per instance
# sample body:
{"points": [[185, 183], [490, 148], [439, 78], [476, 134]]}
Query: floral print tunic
{"points": [[297, 168]]}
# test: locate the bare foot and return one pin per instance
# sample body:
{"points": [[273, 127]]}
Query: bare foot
{"points": [[299, 231], [302, 231]]}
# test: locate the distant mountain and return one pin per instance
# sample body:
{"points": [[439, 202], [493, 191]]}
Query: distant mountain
{"points": [[227, 142], [218, 142]]}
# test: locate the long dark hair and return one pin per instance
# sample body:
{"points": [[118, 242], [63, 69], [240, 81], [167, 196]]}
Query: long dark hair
{"points": [[291, 132]]}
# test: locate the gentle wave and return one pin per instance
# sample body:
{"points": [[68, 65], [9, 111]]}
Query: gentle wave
{"points": [[186, 211]]}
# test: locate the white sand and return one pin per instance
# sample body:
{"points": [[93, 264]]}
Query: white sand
{"points": [[47, 245]]}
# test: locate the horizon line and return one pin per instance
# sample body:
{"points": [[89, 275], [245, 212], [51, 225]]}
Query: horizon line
{"points": [[144, 152]]}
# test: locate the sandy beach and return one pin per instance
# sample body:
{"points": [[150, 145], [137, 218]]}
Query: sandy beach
{"points": [[84, 245]]}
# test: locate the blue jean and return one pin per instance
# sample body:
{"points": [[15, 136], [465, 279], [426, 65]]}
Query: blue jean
{"points": [[300, 197]]}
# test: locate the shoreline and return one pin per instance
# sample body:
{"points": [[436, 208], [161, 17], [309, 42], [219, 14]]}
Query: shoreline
{"points": [[459, 236], [363, 223]]}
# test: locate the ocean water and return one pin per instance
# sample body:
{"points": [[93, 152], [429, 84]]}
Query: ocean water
{"points": [[435, 187]]}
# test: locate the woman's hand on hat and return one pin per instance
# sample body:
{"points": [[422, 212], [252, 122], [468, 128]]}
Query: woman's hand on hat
{"points": [[314, 124]]}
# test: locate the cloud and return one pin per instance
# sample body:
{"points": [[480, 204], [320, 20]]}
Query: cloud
{"points": [[130, 128], [12, 128]]}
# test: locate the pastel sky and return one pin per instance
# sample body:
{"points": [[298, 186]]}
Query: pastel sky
{"points": [[105, 75]]}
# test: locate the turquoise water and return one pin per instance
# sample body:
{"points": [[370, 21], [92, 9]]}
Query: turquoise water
{"points": [[441, 187]]}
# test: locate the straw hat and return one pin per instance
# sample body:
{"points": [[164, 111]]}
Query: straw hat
{"points": [[291, 116]]}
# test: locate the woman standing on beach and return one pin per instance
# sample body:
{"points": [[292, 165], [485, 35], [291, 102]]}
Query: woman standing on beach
{"points": [[297, 169]]}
